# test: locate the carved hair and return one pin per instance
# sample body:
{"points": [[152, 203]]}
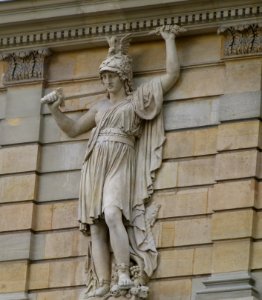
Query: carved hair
{"points": [[118, 61]]}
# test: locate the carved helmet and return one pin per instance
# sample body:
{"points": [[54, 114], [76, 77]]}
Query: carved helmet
{"points": [[119, 61]]}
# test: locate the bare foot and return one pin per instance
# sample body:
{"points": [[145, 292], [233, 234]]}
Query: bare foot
{"points": [[124, 281]]}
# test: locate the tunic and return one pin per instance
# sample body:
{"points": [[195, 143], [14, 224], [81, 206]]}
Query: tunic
{"points": [[122, 155]]}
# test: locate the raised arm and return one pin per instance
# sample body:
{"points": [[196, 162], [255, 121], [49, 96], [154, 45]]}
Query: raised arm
{"points": [[71, 127], [168, 33]]}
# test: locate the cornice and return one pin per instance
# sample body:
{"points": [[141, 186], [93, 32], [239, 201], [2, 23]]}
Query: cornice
{"points": [[90, 32]]}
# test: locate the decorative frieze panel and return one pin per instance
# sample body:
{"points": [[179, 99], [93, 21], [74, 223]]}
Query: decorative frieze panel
{"points": [[25, 65], [242, 39]]}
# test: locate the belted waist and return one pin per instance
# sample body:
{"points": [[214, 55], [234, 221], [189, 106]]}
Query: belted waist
{"points": [[115, 135]]}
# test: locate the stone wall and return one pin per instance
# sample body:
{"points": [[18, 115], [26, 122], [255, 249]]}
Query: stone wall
{"points": [[209, 228]]}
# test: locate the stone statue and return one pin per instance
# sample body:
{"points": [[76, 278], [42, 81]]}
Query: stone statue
{"points": [[123, 153]]}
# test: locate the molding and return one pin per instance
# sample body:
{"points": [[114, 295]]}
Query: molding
{"points": [[242, 39], [25, 65], [198, 20]]}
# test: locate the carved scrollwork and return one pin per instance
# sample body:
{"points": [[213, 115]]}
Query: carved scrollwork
{"points": [[25, 65], [242, 39]]}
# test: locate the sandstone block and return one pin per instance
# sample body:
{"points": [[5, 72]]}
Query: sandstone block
{"points": [[175, 289], [11, 220], [191, 113], [259, 195], [39, 275], [231, 256], [167, 234], [2, 105], [13, 276], [202, 260], [51, 133], [68, 183], [185, 202], [62, 157], [15, 246], [197, 171], [192, 231], [177, 262], [232, 224], [190, 143], [18, 159], [240, 106], [234, 194], [43, 217], [242, 76], [64, 294], [198, 82], [238, 135], [18, 188], [258, 225], [166, 176], [20, 130], [23, 101], [256, 262], [237, 164]]}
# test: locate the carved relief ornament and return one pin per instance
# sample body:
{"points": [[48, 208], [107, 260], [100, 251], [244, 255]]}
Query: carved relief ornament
{"points": [[242, 39], [25, 65]]}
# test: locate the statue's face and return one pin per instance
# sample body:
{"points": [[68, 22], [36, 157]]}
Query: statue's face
{"points": [[112, 82]]}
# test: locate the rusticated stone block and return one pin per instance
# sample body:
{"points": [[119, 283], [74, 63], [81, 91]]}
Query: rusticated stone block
{"points": [[237, 164], [56, 216], [39, 275], [177, 262], [198, 82], [258, 225], [18, 159], [238, 135], [202, 260], [256, 262], [198, 171], [233, 194], [175, 289], [190, 143], [62, 157], [11, 220], [231, 256], [67, 181], [181, 203], [232, 224], [18, 188], [13, 276], [167, 234], [166, 176], [242, 76], [191, 113]]}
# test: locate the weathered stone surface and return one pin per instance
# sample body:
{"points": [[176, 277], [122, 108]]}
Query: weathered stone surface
{"points": [[181, 203], [190, 143], [232, 224], [18, 188], [233, 194], [56, 216], [167, 176], [240, 106], [62, 157], [237, 164], [231, 256], [242, 76], [15, 246], [20, 130], [238, 135], [256, 262], [67, 181], [65, 294], [202, 260], [175, 289], [191, 113], [197, 171], [175, 263], [23, 101], [39, 275], [13, 276], [198, 82], [2, 105], [11, 220], [18, 159], [51, 133], [259, 195], [258, 225]]}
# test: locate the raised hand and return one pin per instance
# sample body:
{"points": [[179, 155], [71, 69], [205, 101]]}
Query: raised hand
{"points": [[54, 99]]}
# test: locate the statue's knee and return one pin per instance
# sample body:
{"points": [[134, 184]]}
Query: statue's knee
{"points": [[112, 217]]}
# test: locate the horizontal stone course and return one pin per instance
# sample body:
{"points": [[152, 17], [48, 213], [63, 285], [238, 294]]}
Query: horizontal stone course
{"points": [[256, 261], [18, 159], [65, 294], [18, 188]]}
